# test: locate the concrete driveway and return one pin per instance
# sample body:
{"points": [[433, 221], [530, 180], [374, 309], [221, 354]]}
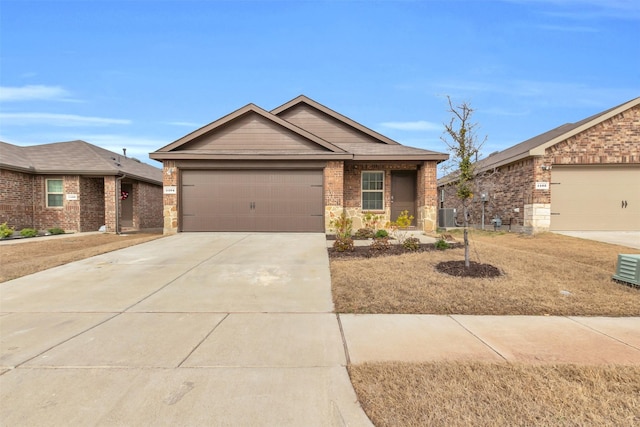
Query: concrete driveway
{"points": [[629, 239], [193, 329]]}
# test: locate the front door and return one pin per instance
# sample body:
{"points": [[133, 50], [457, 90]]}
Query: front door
{"points": [[126, 205], [403, 193]]}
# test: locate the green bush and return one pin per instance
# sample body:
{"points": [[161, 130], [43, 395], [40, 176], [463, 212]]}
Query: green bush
{"points": [[381, 233], [442, 244], [411, 243], [56, 230], [5, 231], [343, 244], [28, 232], [365, 233]]}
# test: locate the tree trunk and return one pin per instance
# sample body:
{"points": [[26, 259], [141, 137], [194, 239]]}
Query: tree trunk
{"points": [[467, 263]]}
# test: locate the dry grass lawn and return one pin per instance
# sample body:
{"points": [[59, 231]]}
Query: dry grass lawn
{"points": [[28, 257], [546, 274], [476, 394]]}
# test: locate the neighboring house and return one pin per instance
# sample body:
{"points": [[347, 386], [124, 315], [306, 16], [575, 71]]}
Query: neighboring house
{"points": [[292, 169], [579, 176], [77, 186]]}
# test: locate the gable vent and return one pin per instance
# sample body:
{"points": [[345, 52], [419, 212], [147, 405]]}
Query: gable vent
{"points": [[628, 269]]}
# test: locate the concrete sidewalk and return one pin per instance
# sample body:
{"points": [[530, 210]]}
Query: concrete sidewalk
{"points": [[524, 339]]}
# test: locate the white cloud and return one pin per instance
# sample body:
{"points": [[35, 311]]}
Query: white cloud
{"points": [[63, 120], [186, 124], [420, 125], [34, 92]]}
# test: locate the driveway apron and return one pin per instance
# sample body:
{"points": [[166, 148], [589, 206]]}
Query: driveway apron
{"points": [[193, 329]]}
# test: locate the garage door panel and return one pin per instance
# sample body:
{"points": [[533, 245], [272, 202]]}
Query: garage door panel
{"points": [[590, 198], [254, 200]]}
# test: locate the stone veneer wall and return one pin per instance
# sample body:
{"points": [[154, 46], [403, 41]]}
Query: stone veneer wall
{"points": [[170, 201]]}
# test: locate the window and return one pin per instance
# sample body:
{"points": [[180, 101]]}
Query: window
{"points": [[372, 191], [54, 193]]}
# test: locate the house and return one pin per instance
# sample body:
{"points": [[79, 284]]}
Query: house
{"points": [[78, 187], [293, 168], [579, 176]]}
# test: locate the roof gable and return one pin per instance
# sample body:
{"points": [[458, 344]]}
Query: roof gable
{"points": [[252, 132], [326, 123], [244, 130]]}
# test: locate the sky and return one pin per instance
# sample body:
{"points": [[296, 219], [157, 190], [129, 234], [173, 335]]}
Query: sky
{"points": [[140, 74]]}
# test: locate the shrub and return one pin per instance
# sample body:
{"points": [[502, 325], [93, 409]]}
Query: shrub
{"points": [[400, 225], [411, 243], [343, 244], [5, 231], [342, 225], [441, 244], [381, 233], [370, 220], [380, 244], [365, 233], [56, 230], [28, 232]]}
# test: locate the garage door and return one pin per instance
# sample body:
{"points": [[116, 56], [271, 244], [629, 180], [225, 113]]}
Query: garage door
{"points": [[252, 200], [595, 198]]}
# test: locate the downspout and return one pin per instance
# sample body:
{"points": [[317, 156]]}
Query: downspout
{"points": [[118, 193]]}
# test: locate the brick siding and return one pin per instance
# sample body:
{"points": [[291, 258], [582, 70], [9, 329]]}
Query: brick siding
{"points": [[512, 190], [23, 203], [16, 199]]}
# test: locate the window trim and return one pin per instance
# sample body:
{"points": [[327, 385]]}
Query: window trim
{"points": [[362, 191], [47, 192]]}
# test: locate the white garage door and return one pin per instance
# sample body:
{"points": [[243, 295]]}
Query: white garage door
{"points": [[596, 198]]}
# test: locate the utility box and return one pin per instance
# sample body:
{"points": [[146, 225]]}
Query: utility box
{"points": [[446, 218], [628, 269]]}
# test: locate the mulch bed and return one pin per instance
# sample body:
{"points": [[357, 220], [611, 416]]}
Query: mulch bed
{"points": [[452, 268], [457, 268]]}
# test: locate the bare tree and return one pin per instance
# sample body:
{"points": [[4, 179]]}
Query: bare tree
{"points": [[460, 138]]}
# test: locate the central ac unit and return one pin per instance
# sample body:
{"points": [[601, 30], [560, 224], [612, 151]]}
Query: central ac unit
{"points": [[628, 269], [446, 218]]}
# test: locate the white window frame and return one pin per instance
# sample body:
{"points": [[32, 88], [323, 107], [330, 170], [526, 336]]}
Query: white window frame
{"points": [[47, 192], [362, 190]]}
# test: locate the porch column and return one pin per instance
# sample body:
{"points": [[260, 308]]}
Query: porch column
{"points": [[110, 200], [170, 201], [333, 191], [427, 196]]}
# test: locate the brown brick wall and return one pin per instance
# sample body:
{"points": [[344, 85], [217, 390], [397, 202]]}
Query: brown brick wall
{"points": [[91, 203], [16, 199], [353, 180], [147, 205], [66, 217], [616, 140], [333, 184]]}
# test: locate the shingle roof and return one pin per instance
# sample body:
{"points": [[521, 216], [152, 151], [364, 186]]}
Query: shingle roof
{"points": [[389, 152], [75, 158]]}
